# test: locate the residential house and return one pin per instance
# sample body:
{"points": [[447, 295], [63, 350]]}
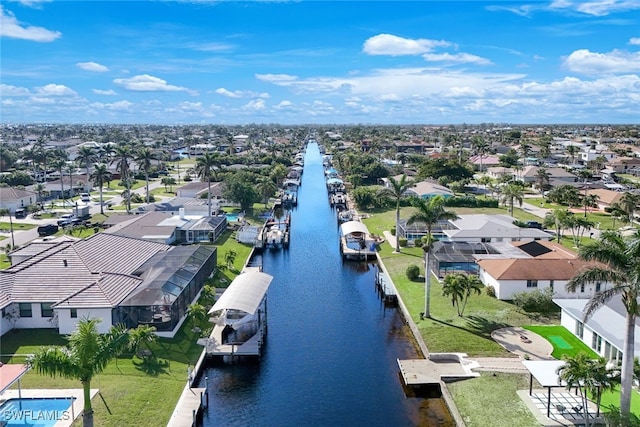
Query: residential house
{"points": [[115, 278], [605, 197], [490, 228], [529, 174], [537, 265], [487, 160], [603, 331], [623, 164], [13, 198], [499, 172]]}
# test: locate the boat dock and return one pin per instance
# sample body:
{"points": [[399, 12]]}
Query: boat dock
{"points": [[385, 288], [186, 412], [438, 367], [275, 234], [214, 347]]}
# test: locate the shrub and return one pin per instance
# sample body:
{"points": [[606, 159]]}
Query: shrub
{"points": [[393, 231], [471, 202], [536, 301], [187, 178], [413, 272], [491, 291], [402, 241]]}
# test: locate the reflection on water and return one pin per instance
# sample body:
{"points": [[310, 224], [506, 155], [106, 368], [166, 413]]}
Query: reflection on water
{"points": [[331, 350]]}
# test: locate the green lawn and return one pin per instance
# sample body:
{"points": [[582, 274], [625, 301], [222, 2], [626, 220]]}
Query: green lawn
{"points": [[491, 400], [6, 226], [563, 341]]}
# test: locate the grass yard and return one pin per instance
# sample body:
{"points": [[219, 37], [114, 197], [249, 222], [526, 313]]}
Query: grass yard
{"points": [[563, 341], [491, 400], [6, 226]]}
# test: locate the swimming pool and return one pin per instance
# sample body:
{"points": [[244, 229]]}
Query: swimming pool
{"points": [[35, 412]]}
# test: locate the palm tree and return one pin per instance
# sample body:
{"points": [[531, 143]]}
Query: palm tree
{"points": [[542, 179], [206, 169], [459, 287], [589, 376], [558, 219], [629, 202], [59, 164], [590, 201], [144, 158], [266, 188], [168, 182], [396, 192], [619, 264], [481, 148], [86, 355], [86, 157], [99, 175], [141, 338], [230, 257], [430, 211], [511, 193], [572, 150], [122, 157]]}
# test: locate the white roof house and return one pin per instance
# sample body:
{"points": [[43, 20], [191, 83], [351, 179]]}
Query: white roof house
{"points": [[491, 228], [603, 331]]}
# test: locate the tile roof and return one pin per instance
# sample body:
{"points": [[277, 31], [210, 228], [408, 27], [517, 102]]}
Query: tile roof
{"points": [[532, 268], [10, 194]]}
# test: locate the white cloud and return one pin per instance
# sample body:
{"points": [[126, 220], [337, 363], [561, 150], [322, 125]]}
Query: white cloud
{"points": [[255, 104], [596, 8], [92, 66], [191, 106], [119, 105], [224, 92], [388, 44], [284, 104], [104, 92], [390, 97], [591, 63], [635, 41], [8, 90], [276, 78], [212, 47], [147, 83], [12, 28], [241, 93], [456, 58], [55, 90], [33, 3]]}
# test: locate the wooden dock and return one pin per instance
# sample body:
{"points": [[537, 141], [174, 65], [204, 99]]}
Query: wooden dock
{"points": [[438, 367], [214, 347], [386, 288], [189, 405]]}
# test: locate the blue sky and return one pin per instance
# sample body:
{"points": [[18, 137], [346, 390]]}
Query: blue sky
{"points": [[369, 62]]}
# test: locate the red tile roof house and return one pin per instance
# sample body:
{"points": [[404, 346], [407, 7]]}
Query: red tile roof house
{"points": [[540, 265], [117, 279]]}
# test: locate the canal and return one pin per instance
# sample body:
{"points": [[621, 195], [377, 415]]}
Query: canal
{"points": [[331, 350]]}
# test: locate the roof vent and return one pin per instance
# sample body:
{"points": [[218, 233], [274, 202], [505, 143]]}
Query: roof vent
{"points": [[64, 261]]}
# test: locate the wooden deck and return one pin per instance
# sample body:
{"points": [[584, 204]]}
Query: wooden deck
{"points": [[214, 347], [357, 254], [189, 404]]}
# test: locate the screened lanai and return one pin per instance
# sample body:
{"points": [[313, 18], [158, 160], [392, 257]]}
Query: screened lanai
{"points": [[456, 257], [171, 281]]}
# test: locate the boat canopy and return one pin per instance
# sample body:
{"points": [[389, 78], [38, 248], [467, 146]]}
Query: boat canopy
{"points": [[350, 227], [245, 293], [334, 181]]}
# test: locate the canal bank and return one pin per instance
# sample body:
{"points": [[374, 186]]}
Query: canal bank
{"points": [[331, 352]]}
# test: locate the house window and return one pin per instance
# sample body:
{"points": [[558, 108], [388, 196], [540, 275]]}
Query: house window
{"points": [[582, 288], [46, 310], [485, 239], [598, 286], [532, 283], [596, 342], [25, 309], [579, 329], [551, 285], [74, 313]]}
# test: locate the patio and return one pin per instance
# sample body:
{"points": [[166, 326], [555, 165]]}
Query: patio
{"points": [[562, 411]]}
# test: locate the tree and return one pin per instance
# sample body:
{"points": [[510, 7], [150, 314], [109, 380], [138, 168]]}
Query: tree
{"points": [[122, 157], [542, 179], [86, 355], [168, 182], [459, 287], [510, 194], [141, 338], [429, 212], [572, 150], [206, 169], [618, 263], [266, 188], [144, 158], [197, 313], [558, 219], [629, 202], [241, 188], [481, 147], [396, 192], [99, 175], [230, 257], [86, 157], [588, 376]]}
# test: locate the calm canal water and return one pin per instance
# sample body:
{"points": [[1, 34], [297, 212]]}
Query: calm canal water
{"points": [[331, 350]]}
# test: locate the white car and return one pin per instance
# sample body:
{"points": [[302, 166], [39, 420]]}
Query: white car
{"points": [[85, 197]]}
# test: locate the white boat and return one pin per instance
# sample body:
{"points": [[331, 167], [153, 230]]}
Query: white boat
{"points": [[274, 237]]}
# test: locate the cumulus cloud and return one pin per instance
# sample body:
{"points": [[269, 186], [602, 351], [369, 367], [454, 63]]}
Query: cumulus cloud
{"points": [[241, 93], [591, 63], [212, 47], [255, 104], [635, 41], [55, 90], [33, 3], [8, 90], [147, 83], [388, 44], [104, 92], [12, 28], [457, 58], [284, 104], [92, 66]]}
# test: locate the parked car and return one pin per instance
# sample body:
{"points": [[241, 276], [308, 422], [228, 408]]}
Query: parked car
{"points": [[47, 230], [85, 197], [65, 219], [20, 213], [534, 224]]}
